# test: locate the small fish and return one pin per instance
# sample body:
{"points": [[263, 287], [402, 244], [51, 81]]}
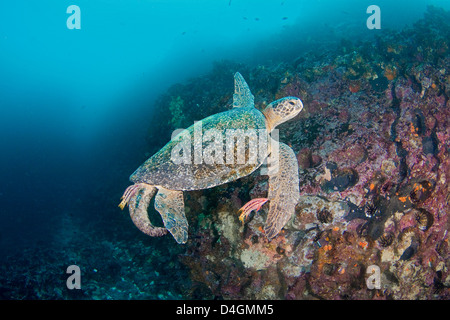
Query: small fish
{"points": [[245, 18], [254, 204], [284, 18], [256, 19]]}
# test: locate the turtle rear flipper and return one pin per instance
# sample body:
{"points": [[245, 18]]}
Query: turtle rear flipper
{"points": [[138, 197], [283, 190], [170, 205]]}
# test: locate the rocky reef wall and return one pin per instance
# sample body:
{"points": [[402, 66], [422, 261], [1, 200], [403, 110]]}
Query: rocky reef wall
{"points": [[373, 150]]}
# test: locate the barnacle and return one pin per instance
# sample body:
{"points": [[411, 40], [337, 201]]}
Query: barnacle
{"points": [[371, 209], [421, 191], [424, 219], [386, 239], [387, 186], [325, 216], [362, 229]]}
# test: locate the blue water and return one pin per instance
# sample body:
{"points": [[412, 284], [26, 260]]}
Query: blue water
{"points": [[75, 104]]}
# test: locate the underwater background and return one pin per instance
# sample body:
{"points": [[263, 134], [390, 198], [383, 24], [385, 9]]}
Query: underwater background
{"points": [[81, 109]]}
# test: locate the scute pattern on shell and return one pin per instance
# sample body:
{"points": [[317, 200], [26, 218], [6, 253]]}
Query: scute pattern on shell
{"points": [[160, 170]]}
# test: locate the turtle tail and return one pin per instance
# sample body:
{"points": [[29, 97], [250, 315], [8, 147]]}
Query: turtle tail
{"points": [[138, 197]]}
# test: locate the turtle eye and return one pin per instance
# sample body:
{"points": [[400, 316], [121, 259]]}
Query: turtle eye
{"points": [[291, 103]]}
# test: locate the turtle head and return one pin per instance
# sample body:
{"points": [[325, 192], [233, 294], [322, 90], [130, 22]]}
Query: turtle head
{"points": [[282, 110]]}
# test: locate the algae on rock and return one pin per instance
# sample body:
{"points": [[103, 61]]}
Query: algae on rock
{"points": [[176, 109]]}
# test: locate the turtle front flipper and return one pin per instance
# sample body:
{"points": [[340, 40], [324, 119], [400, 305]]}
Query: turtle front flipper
{"points": [[170, 205], [138, 197], [242, 96], [283, 189]]}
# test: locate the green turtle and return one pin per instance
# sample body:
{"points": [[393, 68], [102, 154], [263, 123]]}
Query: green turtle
{"points": [[205, 155]]}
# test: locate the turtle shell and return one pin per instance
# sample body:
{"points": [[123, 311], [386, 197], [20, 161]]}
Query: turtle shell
{"points": [[213, 151]]}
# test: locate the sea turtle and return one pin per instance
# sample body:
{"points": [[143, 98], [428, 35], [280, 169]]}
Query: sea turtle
{"points": [[195, 159]]}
